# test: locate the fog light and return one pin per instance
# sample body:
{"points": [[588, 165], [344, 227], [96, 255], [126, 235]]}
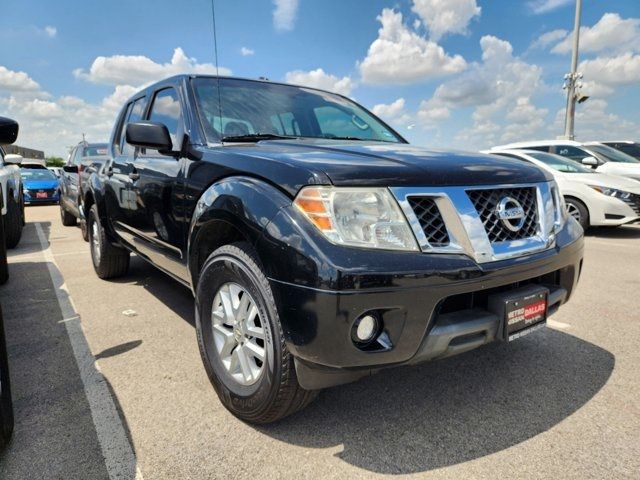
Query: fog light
{"points": [[366, 328]]}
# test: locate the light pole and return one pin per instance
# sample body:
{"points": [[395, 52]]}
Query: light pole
{"points": [[571, 79]]}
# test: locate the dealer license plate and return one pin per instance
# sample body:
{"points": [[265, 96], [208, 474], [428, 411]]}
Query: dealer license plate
{"points": [[525, 315], [41, 195]]}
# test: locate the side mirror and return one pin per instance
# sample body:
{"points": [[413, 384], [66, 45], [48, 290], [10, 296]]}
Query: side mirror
{"points": [[13, 159], [8, 131], [70, 168], [590, 162], [149, 135]]}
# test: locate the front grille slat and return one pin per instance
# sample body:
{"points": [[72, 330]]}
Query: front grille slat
{"points": [[431, 220], [486, 202]]}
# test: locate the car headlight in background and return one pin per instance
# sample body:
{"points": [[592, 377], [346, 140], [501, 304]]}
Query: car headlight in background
{"points": [[612, 192], [358, 217]]}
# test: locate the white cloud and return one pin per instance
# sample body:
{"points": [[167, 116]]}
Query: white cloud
{"points": [[138, 70], [547, 38], [544, 6], [50, 31], [401, 56], [245, 52], [613, 71], [17, 81], [393, 113], [612, 32], [595, 122], [284, 15], [500, 89], [446, 16], [319, 79]]}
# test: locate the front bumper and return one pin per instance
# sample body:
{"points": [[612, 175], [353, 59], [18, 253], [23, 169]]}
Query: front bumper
{"points": [[611, 211], [431, 306], [30, 200]]}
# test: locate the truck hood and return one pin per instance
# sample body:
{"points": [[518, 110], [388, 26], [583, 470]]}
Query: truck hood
{"points": [[385, 164]]}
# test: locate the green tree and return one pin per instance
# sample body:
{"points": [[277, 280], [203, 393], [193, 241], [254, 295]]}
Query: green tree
{"points": [[55, 162]]}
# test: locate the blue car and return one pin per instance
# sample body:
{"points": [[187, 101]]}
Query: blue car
{"points": [[39, 185]]}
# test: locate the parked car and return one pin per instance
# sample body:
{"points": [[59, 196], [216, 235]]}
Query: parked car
{"points": [[85, 159], [11, 204], [593, 199], [630, 148], [40, 185], [600, 157], [320, 246], [6, 406], [57, 171]]}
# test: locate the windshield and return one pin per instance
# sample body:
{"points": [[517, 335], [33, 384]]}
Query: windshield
{"points": [[258, 108], [559, 163], [95, 149], [37, 174], [612, 154], [632, 149]]}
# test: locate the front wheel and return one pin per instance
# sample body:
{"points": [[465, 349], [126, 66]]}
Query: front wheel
{"points": [[578, 210], [13, 222], [68, 219], [109, 261], [241, 340]]}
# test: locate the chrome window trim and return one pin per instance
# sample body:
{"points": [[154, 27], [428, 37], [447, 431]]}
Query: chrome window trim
{"points": [[467, 233]]}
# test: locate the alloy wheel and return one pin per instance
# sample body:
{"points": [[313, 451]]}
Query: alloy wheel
{"points": [[574, 211], [238, 333]]}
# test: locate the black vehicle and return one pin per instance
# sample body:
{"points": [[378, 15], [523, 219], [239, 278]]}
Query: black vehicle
{"points": [[84, 159], [319, 245], [630, 148]]}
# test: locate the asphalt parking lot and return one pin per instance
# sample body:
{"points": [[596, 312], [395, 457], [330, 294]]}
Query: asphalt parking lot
{"points": [[108, 383]]}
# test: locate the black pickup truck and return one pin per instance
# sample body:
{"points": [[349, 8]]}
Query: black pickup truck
{"points": [[319, 245]]}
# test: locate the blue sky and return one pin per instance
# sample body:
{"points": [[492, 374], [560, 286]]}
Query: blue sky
{"points": [[446, 73]]}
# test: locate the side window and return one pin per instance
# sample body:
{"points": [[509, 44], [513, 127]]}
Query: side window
{"points": [[77, 156], [134, 114], [118, 139], [166, 110], [569, 152], [540, 149]]}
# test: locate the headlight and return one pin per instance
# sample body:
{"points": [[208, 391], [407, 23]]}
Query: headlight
{"points": [[560, 207], [612, 192], [358, 217]]}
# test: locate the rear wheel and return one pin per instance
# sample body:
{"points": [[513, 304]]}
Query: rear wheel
{"points": [[84, 230], [13, 222], [68, 219], [6, 407], [4, 266], [109, 261], [578, 210], [241, 340]]}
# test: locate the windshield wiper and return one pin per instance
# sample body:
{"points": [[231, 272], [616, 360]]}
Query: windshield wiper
{"points": [[346, 138], [255, 137]]}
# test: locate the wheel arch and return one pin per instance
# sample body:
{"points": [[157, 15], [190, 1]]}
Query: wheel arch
{"points": [[231, 210]]}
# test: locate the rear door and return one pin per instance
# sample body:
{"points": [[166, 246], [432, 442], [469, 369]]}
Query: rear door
{"points": [[157, 188], [70, 182]]}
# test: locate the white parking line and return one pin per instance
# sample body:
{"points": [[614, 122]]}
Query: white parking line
{"points": [[116, 449]]}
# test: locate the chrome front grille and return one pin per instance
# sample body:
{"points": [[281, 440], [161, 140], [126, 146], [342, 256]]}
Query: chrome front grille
{"points": [[486, 203], [431, 220], [634, 202], [472, 220]]}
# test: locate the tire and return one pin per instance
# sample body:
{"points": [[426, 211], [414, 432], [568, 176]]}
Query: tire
{"points": [[13, 223], [578, 210], [274, 392], [68, 219], [108, 260], [4, 264], [6, 407], [84, 230]]}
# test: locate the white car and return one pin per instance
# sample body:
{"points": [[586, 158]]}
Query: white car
{"points": [[12, 202], [602, 158], [593, 199]]}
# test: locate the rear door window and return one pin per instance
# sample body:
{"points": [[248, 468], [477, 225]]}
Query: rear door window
{"points": [[135, 114], [568, 151]]}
